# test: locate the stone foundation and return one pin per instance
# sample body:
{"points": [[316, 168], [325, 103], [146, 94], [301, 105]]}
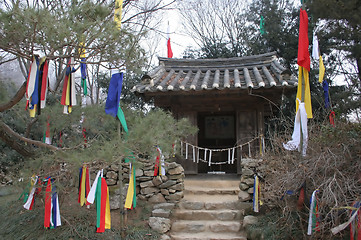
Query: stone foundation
{"points": [[159, 189], [249, 167]]}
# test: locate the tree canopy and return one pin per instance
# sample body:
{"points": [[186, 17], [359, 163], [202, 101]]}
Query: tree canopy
{"points": [[231, 29], [63, 29]]}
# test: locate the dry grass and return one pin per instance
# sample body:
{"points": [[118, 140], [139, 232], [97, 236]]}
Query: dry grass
{"points": [[332, 165]]}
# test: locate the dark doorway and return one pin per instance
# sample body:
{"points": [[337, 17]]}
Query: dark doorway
{"points": [[217, 131]]}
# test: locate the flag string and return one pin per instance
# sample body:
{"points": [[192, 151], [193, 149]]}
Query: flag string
{"points": [[207, 156]]}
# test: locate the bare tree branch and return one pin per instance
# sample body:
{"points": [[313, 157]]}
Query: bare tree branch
{"points": [[4, 128], [18, 96]]}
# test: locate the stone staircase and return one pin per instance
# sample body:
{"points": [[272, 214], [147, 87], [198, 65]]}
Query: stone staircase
{"points": [[210, 210]]}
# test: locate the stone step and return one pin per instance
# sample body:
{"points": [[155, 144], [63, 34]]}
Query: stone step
{"points": [[190, 226], [212, 203], [209, 236], [200, 215], [212, 191], [210, 198], [212, 187], [201, 183]]}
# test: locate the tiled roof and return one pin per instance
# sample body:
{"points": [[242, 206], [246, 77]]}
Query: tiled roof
{"points": [[257, 71]]}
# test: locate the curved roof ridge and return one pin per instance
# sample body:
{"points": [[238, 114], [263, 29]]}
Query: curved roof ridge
{"points": [[210, 60]]}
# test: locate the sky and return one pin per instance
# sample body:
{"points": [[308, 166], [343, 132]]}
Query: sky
{"points": [[179, 39]]}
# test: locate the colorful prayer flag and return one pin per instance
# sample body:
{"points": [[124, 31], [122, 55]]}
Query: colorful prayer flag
{"points": [[48, 196], [47, 138], [84, 185], [118, 13], [313, 214], [52, 211], [114, 92], [261, 25], [169, 48], [159, 168], [31, 199], [91, 195], [256, 194], [303, 60], [103, 207], [300, 124], [321, 73], [83, 68], [315, 47], [68, 98], [131, 198]]}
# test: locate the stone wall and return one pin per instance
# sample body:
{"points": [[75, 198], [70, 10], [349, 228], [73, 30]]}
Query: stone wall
{"points": [[160, 189], [249, 167]]}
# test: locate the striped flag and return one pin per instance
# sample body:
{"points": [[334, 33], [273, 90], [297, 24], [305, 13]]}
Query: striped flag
{"points": [[303, 60]]}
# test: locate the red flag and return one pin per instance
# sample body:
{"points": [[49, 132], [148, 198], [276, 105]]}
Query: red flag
{"points": [[47, 205], [103, 200], [87, 182], [170, 53], [303, 58], [301, 199]]}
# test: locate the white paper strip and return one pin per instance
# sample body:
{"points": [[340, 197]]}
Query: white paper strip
{"points": [[51, 211], [233, 150], [342, 226], [162, 172], [186, 150], [194, 154], [241, 153], [210, 158], [315, 51], [58, 218], [205, 154], [91, 195], [47, 140], [181, 149], [313, 200], [249, 150], [229, 156], [72, 83], [198, 150]]}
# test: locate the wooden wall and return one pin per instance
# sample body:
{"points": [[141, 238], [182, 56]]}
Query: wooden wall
{"points": [[249, 112]]}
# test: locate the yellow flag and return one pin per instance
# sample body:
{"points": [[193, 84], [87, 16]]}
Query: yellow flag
{"points": [[67, 98], [303, 72], [130, 193], [107, 212], [32, 112], [82, 184], [322, 71], [118, 12], [82, 50]]}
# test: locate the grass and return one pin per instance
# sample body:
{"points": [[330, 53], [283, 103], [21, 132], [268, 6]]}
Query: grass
{"points": [[77, 222]]}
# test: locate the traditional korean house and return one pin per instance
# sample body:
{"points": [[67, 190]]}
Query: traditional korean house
{"points": [[228, 99]]}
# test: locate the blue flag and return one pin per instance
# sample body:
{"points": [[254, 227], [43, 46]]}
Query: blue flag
{"points": [[114, 91]]}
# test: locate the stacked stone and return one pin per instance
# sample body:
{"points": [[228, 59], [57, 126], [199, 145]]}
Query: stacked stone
{"points": [[159, 189], [249, 167], [160, 219], [111, 174]]}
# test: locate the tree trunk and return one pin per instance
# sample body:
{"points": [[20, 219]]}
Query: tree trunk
{"points": [[11, 138], [18, 96], [12, 143]]}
